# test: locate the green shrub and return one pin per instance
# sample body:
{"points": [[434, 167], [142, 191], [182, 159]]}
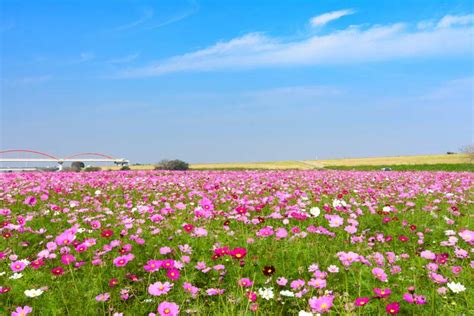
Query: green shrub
{"points": [[172, 165], [92, 168]]}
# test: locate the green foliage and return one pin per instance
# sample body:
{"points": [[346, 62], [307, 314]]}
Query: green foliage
{"points": [[77, 166], [92, 168], [175, 164]]}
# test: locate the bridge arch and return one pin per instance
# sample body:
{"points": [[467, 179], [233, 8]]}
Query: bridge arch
{"points": [[27, 151], [90, 154]]}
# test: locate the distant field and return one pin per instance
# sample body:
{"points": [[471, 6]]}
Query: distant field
{"points": [[437, 162]]}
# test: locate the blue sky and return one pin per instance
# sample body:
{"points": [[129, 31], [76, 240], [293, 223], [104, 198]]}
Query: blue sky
{"points": [[218, 81]]}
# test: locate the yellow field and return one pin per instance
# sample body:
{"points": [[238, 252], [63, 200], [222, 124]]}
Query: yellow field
{"points": [[312, 164]]}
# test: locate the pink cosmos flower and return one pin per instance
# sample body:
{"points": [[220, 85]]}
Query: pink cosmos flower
{"points": [[334, 220], [382, 293], [420, 299], [409, 298], [380, 274], [456, 269], [188, 287], [252, 296], [213, 291], [159, 288], [17, 266], [152, 265], [317, 283], [245, 282], [438, 278], [123, 260], [467, 236], [281, 281], [67, 259], [281, 233], [168, 309], [104, 297], [95, 224], [165, 250], [22, 311], [426, 254], [321, 304], [297, 284]]}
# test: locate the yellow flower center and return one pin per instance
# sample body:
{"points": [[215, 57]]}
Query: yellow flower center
{"points": [[167, 311]]}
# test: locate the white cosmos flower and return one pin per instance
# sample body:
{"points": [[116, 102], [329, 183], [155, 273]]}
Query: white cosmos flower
{"points": [[266, 293], [305, 313], [2, 273], [16, 276], [34, 292], [387, 209], [287, 293], [339, 203], [456, 287], [315, 211]]}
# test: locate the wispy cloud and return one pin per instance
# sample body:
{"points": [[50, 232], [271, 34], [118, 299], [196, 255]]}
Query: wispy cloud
{"points": [[123, 59], [148, 21], [354, 44], [83, 57], [193, 8], [146, 15], [325, 18], [453, 20]]}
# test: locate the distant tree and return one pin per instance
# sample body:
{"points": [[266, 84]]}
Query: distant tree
{"points": [[125, 168], [77, 166], [469, 150], [172, 165], [92, 168]]}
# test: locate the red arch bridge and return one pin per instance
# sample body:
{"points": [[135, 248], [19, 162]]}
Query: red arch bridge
{"points": [[5, 157]]}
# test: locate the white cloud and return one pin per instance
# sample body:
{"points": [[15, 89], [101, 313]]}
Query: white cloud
{"points": [[348, 46], [325, 18], [453, 20]]}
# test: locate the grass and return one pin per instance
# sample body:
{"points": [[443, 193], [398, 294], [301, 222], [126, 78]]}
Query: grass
{"points": [[121, 193], [423, 167], [456, 162]]}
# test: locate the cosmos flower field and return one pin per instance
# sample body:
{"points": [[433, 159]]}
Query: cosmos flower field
{"points": [[236, 243]]}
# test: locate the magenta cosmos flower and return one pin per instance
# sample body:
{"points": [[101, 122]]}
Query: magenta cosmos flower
{"points": [[168, 309], [239, 253], [159, 288], [393, 308], [18, 266], [361, 301], [245, 282], [22, 311], [321, 304], [173, 274], [167, 264], [382, 293]]}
